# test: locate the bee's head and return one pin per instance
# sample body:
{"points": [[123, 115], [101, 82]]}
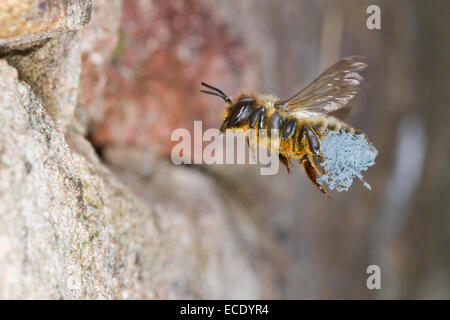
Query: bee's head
{"points": [[237, 114]]}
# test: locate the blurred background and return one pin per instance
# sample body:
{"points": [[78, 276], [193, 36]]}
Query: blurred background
{"points": [[141, 80]]}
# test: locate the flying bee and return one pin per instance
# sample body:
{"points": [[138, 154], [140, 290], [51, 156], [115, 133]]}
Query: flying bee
{"points": [[302, 120]]}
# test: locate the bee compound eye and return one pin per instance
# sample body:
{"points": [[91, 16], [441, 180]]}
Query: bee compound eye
{"points": [[241, 111]]}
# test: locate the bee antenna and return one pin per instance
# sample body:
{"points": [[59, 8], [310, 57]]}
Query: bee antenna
{"points": [[218, 93], [214, 94]]}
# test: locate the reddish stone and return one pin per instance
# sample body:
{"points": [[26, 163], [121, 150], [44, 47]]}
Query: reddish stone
{"points": [[166, 49]]}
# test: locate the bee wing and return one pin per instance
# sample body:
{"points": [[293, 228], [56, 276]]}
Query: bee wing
{"points": [[332, 90]]}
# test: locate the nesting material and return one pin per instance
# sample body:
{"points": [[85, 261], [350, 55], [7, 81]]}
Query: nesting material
{"points": [[346, 156]]}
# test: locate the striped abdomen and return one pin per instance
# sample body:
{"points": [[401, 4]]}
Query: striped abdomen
{"points": [[293, 128]]}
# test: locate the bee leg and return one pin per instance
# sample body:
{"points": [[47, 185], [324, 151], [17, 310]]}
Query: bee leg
{"points": [[320, 168], [320, 132], [313, 149], [286, 162], [311, 173], [323, 166]]}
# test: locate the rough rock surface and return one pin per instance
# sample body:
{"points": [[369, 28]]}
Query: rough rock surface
{"points": [[70, 229], [40, 39], [24, 23], [59, 239], [53, 71]]}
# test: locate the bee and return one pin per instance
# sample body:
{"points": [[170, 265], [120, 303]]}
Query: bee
{"points": [[302, 120]]}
